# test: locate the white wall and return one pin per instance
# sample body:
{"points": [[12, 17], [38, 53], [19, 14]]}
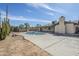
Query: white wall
{"points": [[70, 28], [64, 28], [60, 29], [57, 29]]}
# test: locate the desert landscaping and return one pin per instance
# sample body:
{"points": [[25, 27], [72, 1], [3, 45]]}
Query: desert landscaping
{"points": [[18, 46], [46, 31]]}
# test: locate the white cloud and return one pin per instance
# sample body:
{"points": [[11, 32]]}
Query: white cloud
{"points": [[11, 17], [46, 6], [50, 13], [28, 19]]}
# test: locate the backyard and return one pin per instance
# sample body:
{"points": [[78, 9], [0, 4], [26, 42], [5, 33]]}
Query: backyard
{"points": [[18, 46], [28, 34], [53, 44]]}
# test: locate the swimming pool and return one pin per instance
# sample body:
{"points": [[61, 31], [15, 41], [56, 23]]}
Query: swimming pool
{"points": [[35, 33]]}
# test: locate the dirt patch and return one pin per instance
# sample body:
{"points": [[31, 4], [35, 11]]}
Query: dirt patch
{"points": [[18, 46]]}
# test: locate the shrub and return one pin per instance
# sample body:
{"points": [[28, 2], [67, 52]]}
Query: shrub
{"points": [[5, 30]]}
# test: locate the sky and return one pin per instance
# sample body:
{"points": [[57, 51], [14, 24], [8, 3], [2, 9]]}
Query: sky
{"points": [[39, 13]]}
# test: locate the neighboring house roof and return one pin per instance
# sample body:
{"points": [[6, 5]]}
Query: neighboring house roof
{"points": [[67, 22], [71, 23]]}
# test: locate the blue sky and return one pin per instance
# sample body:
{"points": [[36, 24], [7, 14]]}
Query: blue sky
{"points": [[40, 13]]}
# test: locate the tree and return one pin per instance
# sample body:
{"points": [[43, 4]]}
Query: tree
{"points": [[3, 31], [16, 29], [26, 26], [21, 26], [7, 26], [38, 25], [53, 22]]}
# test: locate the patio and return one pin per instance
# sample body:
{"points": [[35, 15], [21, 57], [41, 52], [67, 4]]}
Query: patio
{"points": [[55, 45]]}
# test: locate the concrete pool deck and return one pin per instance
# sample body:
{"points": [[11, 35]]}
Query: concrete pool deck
{"points": [[55, 45]]}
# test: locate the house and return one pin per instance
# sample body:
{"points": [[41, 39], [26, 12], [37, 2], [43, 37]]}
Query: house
{"points": [[65, 27], [61, 27]]}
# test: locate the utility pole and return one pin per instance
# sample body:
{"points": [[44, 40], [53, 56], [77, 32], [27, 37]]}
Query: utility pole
{"points": [[0, 18], [0, 23], [6, 12]]}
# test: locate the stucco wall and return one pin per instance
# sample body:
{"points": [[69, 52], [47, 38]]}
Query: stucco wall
{"points": [[57, 29], [70, 28], [52, 29], [60, 28]]}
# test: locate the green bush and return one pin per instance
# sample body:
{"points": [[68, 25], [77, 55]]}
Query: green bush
{"points": [[5, 30], [2, 35]]}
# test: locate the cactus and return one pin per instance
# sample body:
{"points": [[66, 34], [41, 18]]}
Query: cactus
{"points": [[5, 30]]}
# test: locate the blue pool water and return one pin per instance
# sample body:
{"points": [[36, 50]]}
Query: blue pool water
{"points": [[35, 33]]}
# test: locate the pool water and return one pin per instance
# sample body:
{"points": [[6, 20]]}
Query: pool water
{"points": [[35, 33]]}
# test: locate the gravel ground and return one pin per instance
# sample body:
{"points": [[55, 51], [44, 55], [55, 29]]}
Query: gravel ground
{"points": [[18, 46]]}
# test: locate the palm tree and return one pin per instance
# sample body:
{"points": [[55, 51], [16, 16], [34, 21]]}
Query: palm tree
{"points": [[27, 26]]}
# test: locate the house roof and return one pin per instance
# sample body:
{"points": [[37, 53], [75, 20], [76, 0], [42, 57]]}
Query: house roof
{"points": [[71, 23], [66, 22]]}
